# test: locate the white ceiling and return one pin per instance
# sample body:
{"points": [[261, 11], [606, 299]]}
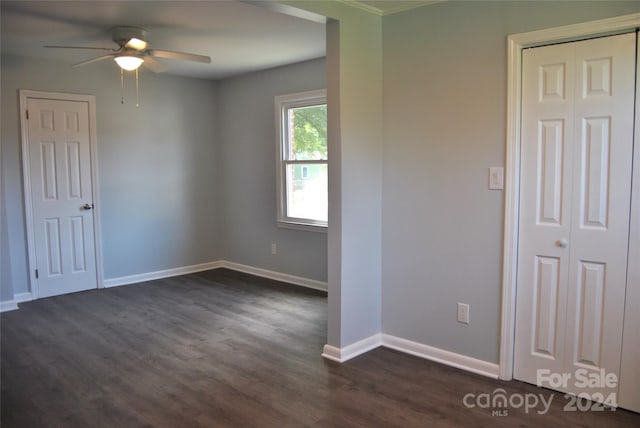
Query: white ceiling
{"points": [[239, 37]]}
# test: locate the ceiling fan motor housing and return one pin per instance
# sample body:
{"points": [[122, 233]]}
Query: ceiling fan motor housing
{"points": [[122, 35]]}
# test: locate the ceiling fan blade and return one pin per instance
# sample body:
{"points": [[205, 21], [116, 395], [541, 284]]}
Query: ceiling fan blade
{"points": [[89, 61], [81, 47], [154, 65], [182, 56]]}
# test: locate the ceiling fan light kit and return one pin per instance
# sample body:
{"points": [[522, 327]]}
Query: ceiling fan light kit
{"points": [[134, 52], [129, 62]]}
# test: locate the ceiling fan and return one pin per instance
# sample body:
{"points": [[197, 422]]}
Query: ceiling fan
{"points": [[134, 51]]}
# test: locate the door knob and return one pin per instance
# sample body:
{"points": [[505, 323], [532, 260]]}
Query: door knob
{"points": [[87, 206], [563, 243]]}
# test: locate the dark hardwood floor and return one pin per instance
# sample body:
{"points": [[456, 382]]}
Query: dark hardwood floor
{"points": [[225, 349]]}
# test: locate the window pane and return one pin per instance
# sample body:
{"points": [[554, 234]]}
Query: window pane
{"points": [[307, 195], [308, 133]]}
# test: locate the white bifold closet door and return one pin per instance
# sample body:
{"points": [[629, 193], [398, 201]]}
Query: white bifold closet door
{"points": [[576, 166]]}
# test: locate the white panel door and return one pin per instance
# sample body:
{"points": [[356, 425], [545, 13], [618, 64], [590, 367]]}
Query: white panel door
{"points": [[61, 195], [577, 145]]}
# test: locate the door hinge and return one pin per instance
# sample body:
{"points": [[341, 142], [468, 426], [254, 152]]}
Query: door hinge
{"points": [[36, 273], [27, 112]]}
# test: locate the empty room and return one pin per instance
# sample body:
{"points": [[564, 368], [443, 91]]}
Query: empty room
{"points": [[340, 213]]}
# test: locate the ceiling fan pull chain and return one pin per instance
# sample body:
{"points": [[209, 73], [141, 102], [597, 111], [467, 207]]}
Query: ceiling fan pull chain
{"points": [[137, 89], [121, 86]]}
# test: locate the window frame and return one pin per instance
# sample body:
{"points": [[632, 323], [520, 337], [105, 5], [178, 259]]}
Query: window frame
{"points": [[282, 104]]}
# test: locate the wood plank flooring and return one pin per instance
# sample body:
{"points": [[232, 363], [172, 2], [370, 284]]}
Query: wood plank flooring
{"points": [[225, 349]]}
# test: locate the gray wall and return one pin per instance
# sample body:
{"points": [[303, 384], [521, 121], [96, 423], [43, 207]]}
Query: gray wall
{"points": [[444, 124], [357, 183], [188, 178], [247, 197], [6, 290], [354, 58], [157, 166]]}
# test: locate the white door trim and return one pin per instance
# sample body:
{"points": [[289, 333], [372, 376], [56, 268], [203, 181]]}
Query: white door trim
{"points": [[516, 43], [28, 209], [628, 394]]}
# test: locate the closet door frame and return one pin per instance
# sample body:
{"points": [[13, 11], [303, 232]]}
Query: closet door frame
{"points": [[516, 43], [629, 374]]}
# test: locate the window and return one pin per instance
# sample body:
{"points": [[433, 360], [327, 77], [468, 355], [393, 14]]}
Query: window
{"points": [[302, 172]]}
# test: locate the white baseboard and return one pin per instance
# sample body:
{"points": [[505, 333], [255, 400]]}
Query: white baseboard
{"points": [[459, 361], [8, 305], [348, 352], [284, 277], [438, 355], [23, 297], [143, 277]]}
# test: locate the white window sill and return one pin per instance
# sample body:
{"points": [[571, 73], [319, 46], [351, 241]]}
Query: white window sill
{"points": [[302, 226]]}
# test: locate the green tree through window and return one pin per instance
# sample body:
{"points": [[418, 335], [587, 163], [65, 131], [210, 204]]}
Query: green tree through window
{"points": [[310, 132]]}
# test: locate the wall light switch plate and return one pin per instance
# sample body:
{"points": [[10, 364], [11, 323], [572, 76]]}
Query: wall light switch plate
{"points": [[463, 313], [496, 178]]}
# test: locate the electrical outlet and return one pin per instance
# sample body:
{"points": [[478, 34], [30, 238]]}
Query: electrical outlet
{"points": [[274, 249], [463, 313]]}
